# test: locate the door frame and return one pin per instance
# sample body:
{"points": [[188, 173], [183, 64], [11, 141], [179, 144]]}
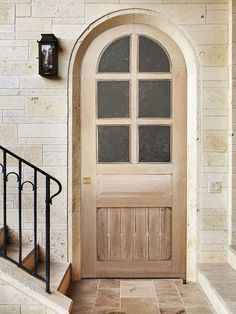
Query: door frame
{"points": [[179, 38]]}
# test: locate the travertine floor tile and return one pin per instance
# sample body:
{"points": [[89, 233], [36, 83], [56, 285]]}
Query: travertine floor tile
{"points": [[141, 305], [83, 292], [83, 309], [112, 296], [170, 302], [164, 283], [106, 310], [167, 293], [188, 301], [108, 297], [197, 309], [137, 289], [109, 283]]}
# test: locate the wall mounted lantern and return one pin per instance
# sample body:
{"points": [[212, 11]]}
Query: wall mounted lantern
{"points": [[48, 55]]}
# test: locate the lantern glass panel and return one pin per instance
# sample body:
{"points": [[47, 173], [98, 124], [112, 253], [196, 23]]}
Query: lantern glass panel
{"points": [[48, 51]]}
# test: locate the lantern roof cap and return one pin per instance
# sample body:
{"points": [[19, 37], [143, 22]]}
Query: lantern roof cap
{"points": [[48, 38]]}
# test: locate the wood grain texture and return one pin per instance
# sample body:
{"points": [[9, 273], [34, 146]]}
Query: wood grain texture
{"points": [[141, 227], [127, 233], [102, 234], [154, 223], [133, 234]]}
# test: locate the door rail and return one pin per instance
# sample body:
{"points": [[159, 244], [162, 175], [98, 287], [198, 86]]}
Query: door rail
{"points": [[49, 196]]}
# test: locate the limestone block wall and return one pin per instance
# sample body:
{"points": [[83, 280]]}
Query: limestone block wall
{"points": [[14, 301], [34, 110], [234, 123]]}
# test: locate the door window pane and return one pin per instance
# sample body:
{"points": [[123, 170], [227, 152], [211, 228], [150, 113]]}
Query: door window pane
{"points": [[152, 57], [154, 99], [113, 99], [116, 56], [113, 144], [154, 143]]}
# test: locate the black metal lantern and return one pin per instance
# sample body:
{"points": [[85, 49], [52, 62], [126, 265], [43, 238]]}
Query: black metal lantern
{"points": [[48, 55]]}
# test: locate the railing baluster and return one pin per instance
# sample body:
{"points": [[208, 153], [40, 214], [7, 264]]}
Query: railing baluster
{"points": [[48, 200], [20, 211], [5, 201], [35, 224], [48, 234]]}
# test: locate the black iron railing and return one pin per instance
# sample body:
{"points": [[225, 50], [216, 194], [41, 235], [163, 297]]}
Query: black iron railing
{"points": [[21, 163]]}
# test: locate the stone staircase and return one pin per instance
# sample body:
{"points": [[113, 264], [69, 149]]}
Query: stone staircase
{"points": [[60, 276], [26, 269]]}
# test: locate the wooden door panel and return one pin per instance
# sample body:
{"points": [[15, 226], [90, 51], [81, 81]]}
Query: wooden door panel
{"points": [[140, 234], [102, 234], [134, 201], [133, 234], [127, 234], [154, 223], [134, 190], [166, 236], [114, 234], [119, 185]]}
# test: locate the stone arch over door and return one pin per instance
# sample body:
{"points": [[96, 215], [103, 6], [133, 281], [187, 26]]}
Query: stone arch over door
{"points": [[156, 20]]}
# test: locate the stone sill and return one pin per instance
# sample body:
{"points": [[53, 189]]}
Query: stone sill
{"points": [[218, 282]]}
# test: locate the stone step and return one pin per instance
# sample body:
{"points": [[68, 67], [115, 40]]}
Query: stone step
{"points": [[27, 254], [60, 272], [232, 256], [1, 236], [218, 281], [60, 275], [33, 288], [13, 251]]}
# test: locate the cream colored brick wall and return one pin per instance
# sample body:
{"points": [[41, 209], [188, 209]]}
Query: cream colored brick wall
{"points": [[14, 301], [33, 109], [234, 123]]}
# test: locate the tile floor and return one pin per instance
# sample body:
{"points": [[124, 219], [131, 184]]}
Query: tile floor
{"points": [[157, 296]]}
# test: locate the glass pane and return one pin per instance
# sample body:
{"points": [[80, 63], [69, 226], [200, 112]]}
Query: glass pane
{"points": [[116, 56], [152, 57], [154, 143], [154, 99], [113, 144], [113, 99]]}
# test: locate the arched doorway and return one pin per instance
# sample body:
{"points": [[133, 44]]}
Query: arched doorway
{"points": [[175, 35], [133, 155]]}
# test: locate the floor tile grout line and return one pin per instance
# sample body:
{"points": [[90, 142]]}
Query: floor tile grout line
{"points": [[98, 284], [180, 297], [156, 296]]}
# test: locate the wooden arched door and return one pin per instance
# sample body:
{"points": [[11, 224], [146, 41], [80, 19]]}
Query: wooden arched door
{"points": [[133, 155]]}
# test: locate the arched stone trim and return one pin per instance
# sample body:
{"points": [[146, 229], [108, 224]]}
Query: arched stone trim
{"points": [[179, 36]]}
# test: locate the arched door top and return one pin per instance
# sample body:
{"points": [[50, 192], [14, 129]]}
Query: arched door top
{"points": [[180, 39]]}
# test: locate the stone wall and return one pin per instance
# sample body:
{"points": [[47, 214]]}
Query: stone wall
{"points": [[15, 302], [234, 123], [34, 110]]}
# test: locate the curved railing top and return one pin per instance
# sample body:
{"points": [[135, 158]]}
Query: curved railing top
{"points": [[36, 168]]}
